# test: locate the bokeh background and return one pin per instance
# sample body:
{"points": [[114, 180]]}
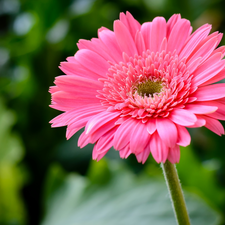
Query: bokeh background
{"points": [[47, 180]]}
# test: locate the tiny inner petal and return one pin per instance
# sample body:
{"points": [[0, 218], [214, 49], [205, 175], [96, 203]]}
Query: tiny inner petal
{"points": [[152, 82]]}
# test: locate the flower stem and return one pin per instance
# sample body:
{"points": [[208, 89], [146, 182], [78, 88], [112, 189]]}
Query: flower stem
{"points": [[176, 194]]}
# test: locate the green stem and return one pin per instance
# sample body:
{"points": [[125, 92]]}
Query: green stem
{"points": [[176, 194]]}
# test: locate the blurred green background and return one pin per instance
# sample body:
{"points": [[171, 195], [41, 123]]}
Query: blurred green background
{"points": [[47, 180]]}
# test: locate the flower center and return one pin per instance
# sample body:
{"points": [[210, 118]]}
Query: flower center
{"points": [[148, 88]]}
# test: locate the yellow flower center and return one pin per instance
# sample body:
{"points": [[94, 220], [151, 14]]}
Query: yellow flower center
{"points": [[149, 87]]}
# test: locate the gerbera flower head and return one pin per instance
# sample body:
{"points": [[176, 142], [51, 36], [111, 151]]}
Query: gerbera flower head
{"points": [[137, 88]]}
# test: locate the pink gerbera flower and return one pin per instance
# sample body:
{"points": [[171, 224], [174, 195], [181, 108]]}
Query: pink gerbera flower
{"points": [[138, 87]]}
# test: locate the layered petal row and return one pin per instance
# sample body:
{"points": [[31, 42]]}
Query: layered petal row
{"points": [[137, 88]]}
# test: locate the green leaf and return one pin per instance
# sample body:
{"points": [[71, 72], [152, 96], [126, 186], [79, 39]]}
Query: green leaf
{"points": [[123, 199], [199, 178]]}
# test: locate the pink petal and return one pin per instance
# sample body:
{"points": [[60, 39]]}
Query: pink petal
{"points": [[221, 49], [211, 92], [71, 59], [139, 138], [83, 140], [73, 83], [200, 109], [102, 130], [124, 38], [92, 61], [105, 142], [59, 107], [58, 121], [184, 137], [80, 120], [67, 98], [108, 37], [167, 131], [216, 78], [75, 114], [220, 112], [69, 101], [205, 72], [222, 100], [163, 45], [199, 123], [143, 156], [53, 89], [208, 63], [77, 69], [204, 51], [139, 41], [123, 134], [182, 117], [146, 33], [123, 19], [140, 156], [96, 46], [174, 154], [96, 155], [100, 120], [158, 149], [171, 22], [125, 152], [151, 126], [178, 35], [201, 33], [77, 123], [70, 132], [213, 125], [132, 24], [159, 33], [194, 65]]}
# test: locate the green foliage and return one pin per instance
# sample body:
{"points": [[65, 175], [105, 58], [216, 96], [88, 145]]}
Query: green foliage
{"points": [[124, 199], [99, 173], [11, 175], [199, 178]]}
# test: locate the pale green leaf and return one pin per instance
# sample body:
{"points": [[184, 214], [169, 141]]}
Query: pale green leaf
{"points": [[124, 199]]}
